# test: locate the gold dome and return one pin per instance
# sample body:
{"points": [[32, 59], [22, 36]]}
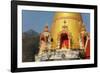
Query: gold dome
{"points": [[74, 23], [70, 15]]}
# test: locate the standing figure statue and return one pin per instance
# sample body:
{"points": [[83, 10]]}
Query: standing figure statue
{"points": [[83, 37], [64, 38], [45, 40], [84, 40]]}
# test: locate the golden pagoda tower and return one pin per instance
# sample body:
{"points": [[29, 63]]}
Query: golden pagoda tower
{"points": [[74, 23]]}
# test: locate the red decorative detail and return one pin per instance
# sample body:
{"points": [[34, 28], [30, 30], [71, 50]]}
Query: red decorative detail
{"points": [[87, 54]]}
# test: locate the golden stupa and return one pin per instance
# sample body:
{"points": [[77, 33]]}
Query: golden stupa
{"points": [[74, 23]]}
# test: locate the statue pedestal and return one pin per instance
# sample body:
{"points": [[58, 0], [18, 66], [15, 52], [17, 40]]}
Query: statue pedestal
{"points": [[59, 54]]}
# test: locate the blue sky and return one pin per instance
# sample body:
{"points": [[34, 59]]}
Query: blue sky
{"points": [[36, 20]]}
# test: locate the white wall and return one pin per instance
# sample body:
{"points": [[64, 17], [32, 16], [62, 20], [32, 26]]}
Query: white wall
{"points": [[5, 32]]}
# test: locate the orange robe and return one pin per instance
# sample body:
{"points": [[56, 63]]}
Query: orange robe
{"points": [[64, 41]]}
